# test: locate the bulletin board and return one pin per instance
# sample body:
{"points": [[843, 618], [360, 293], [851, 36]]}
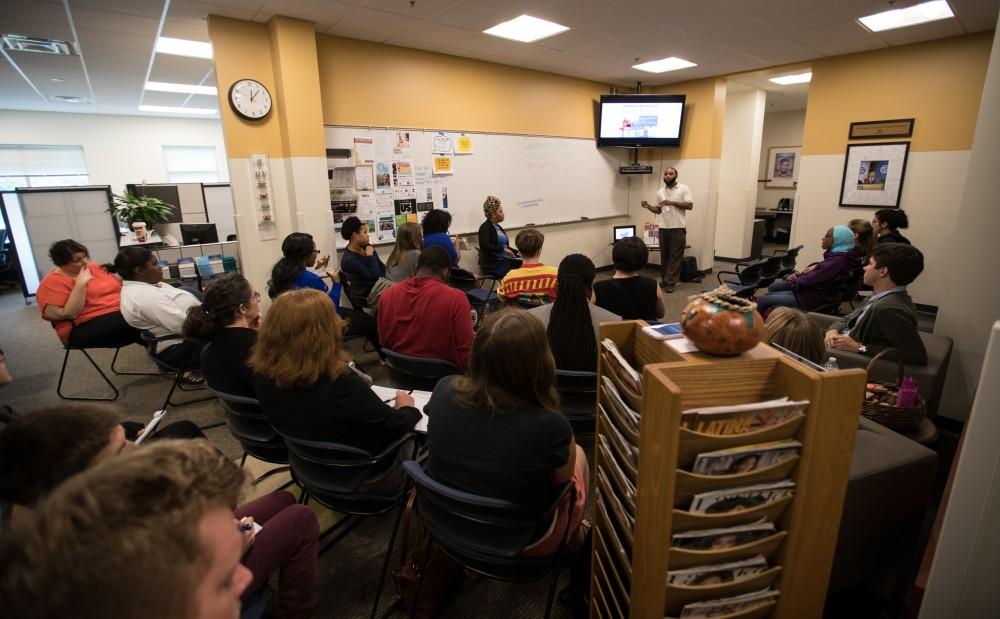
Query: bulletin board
{"points": [[387, 176]]}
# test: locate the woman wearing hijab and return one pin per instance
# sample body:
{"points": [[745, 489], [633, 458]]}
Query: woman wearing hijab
{"points": [[495, 253], [813, 288]]}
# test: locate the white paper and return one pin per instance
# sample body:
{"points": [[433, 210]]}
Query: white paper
{"points": [[342, 177], [441, 144], [682, 345], [364, 151], [381, 146], [386, 394]]}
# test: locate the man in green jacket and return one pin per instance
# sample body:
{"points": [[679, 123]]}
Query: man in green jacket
{"points": [[888, 319]]}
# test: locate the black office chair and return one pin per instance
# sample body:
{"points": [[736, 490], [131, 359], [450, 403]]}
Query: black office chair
{"points": [[356, 289], [177, 372], [578, 398], [484, 534], [8, 263], [250, 428], [747, 280], [117, 346], [788, 258], [338, 477], [770, 270], [408, 372], [481, 299]]}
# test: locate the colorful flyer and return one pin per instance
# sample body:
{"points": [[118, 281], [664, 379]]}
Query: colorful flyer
{"points": [[442, 165], [364, 179], [464, 145], [441, 144]]}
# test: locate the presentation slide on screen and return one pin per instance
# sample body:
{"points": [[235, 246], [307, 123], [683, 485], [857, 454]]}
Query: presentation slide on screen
{"points": [[641, 120]]}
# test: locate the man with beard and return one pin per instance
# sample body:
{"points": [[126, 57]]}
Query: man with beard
{"points": [[674, 200]]}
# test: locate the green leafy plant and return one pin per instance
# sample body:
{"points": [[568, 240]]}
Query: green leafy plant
{"points": [[129, 208]]}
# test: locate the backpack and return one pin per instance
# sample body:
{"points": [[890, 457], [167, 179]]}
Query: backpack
{"points": [[689, 270]]}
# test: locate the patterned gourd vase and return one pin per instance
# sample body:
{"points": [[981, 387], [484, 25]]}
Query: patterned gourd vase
{"points": [[720, 323]]}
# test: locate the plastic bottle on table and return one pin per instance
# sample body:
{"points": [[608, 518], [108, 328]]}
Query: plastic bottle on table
{"points": [[831, 365]]}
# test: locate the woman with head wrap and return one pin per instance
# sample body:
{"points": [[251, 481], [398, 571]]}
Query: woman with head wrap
{"points": [[495, 254], [815, 286]]}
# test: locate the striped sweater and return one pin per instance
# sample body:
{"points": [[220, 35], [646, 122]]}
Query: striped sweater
{"points": [[532, 282]]}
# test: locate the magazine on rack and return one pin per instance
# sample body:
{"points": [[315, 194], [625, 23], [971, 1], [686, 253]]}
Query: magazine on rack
{"points": [[728, 606], [745, 458], [742, 418], [622, 368], [615, 399], [717, 574], [728, 537], [615, 472], [739, 499]]}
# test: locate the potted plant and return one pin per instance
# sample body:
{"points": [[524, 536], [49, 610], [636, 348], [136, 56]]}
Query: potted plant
{"points": [[140, 211]]}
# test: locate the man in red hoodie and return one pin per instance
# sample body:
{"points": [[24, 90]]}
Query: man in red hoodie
{"points": [[425, 317]]}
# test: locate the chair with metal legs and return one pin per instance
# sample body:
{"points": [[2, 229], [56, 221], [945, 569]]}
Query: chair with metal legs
{"points": [[177, 372], [117, 347]]}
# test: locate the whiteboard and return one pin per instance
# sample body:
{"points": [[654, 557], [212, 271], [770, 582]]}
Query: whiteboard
{"points": [[539, 180]]}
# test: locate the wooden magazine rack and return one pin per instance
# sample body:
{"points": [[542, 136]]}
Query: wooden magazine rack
{"points": [[637, 510]]}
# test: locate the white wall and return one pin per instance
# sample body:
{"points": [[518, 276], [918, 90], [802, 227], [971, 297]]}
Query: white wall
{"points": [[780, 129], [932, 193], [741, 140], [117, 149]]}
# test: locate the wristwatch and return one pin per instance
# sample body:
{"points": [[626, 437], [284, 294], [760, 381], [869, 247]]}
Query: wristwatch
{"points": [[862, 348]]}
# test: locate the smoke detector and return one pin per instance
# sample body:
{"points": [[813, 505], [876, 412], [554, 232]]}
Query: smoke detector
{"points": [[22, 43], [69, 99]]}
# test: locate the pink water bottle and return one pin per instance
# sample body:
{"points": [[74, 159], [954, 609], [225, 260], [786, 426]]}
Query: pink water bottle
{"points": [[907, 396]]}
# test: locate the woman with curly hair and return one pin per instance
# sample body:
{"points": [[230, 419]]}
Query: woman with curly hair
{"points": [[495, 254]]}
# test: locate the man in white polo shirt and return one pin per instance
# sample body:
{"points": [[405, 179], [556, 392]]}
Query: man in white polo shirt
{"points": [[674, 200]]}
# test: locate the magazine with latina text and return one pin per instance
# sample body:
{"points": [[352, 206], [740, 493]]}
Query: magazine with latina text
{"points": [[728, 606], [720, 539], [742, 418], [704, 575], [622, 368], [624, 411], [745, 458], [739, 499]]}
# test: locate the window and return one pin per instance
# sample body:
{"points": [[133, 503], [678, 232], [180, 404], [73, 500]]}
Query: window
{"points": [[191, 164], [41, 166]]}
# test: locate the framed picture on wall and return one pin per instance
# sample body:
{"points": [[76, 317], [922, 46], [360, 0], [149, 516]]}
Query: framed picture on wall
{"points": [[783, 166], [873, 174]]}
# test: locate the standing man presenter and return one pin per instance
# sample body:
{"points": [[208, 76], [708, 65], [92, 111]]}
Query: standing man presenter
{"points": [[674, 200]]}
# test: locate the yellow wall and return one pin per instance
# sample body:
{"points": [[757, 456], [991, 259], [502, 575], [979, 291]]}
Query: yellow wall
{"points": [[703, 115], [366, 83], [939, 83], [293, 53]]}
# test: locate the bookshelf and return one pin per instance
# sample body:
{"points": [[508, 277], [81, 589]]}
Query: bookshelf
{"points": [[641, 500]]}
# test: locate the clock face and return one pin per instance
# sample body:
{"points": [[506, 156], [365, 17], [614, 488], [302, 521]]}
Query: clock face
{"points": [[250, 99]]}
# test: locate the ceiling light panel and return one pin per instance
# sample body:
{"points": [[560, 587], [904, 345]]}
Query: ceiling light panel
{"points": [[183, 47], [798, 78], [664, 64], [526, 29], [169, 109], [910, 16], [192, 89]]}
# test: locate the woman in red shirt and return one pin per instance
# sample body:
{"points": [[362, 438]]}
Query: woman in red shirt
{"points": [[82, 300]]}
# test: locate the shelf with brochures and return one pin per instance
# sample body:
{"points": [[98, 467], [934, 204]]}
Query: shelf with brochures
{"points": [[718, 482]]}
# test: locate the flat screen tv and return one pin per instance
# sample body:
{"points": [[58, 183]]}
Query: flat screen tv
{"points": [[640, 121]]}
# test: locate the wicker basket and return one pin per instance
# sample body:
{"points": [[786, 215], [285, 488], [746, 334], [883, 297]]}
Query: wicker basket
{"points": [[893, 417]]}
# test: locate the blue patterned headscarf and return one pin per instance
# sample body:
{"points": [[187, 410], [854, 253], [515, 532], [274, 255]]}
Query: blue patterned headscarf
{"points": [[843, 239]]}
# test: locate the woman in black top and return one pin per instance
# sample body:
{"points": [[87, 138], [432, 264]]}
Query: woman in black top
{"points": [[498, 431], [306, 385], [227, 320], [495, 254], [628, 294], [888, 222]]}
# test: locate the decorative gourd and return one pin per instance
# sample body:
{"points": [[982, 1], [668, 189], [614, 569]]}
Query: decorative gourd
{"points": [[720, 323]]}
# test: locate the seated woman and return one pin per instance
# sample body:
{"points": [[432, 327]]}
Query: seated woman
{"points": [[495, 254], [572, 318], [306, 386], [794, 331], [40, 450], [228, 319], [402, 262], [864, 236], [888, 222], [498, 431], [436, 223], [149, 305], [291, 272], [82, 300], [815, 286], [628, 294], [360, 258]]}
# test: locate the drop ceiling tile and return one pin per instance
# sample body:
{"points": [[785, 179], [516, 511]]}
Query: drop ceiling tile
{"points": [[162, 98], [99, 40], [421, 9], [204, 101], [169, 64], [976, 15], [188, 10], [325, 12], [473, 16], [178, 74], [143, 8], [114, 22], [243, 5], [365, 23], [430, 35], [844, 37], [194, 31]]}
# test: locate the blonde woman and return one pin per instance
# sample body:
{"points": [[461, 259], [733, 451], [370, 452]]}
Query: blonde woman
{"points": [[402, 262]]}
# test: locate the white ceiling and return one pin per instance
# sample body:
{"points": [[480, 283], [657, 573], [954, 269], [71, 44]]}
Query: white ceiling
{"points": [[115, 38]]}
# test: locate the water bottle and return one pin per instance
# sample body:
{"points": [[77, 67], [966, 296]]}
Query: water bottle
{"points": [[831, 365]]}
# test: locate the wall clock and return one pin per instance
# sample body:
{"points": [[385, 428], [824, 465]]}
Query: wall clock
{"points": [[250, 99]]}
